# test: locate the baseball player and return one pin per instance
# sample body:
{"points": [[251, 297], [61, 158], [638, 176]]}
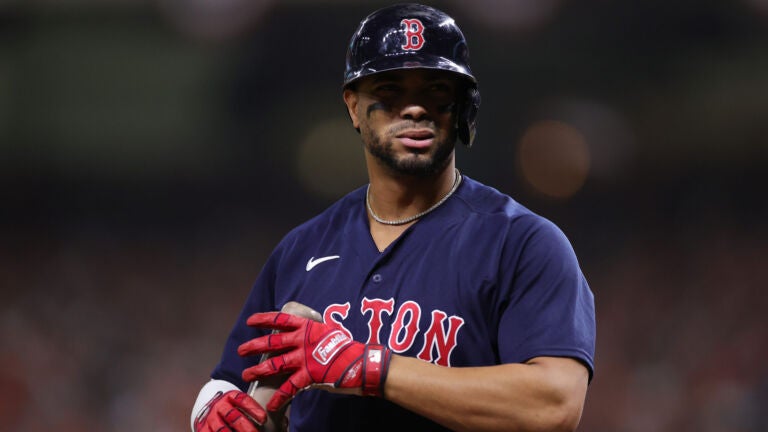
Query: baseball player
{"points": [[443, 303]]}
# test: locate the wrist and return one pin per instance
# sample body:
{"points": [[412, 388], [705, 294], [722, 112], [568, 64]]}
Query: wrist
{"points": [[375, 367], [208, 392]]}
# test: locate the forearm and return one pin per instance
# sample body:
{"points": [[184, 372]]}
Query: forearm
{"points": [[546, 394]]}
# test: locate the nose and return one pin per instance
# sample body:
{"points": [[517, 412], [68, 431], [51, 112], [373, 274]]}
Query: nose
{"points": [[413, 111]]}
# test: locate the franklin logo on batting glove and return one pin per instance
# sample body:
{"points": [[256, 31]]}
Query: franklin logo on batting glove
{"points": [[329, 346]]}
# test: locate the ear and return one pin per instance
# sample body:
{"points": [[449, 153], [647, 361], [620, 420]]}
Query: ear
{"points": [[351, 99]]}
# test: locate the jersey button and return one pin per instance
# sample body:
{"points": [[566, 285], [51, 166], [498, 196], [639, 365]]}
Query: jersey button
{"points": [[376, 278]]}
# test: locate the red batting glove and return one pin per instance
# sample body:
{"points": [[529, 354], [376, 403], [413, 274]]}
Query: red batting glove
{"points": [[227, 411], [316, 354]]}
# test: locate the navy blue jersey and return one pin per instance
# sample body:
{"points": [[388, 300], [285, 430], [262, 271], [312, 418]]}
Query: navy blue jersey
{"points": [[479, 281]]}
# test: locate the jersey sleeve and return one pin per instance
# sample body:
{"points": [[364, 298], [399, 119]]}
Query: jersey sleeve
{"points": [[550, 308], [260, 299]]}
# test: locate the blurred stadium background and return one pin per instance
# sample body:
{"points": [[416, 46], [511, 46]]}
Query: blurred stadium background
{"points": [[152, 152]]}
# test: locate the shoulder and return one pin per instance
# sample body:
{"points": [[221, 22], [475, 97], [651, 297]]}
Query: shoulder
{"points": [[486, 208], [485, 202], [339, 214]]}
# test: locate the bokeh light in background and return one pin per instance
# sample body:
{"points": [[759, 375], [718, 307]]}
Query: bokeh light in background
{"points": [[214, 21], [515, 16], [152, 153], [330, 160], [554, 158], [606, 132], [759, 5]]}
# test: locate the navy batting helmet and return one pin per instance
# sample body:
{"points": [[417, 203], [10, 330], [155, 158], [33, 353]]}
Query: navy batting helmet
{"points": [[414, 36]]}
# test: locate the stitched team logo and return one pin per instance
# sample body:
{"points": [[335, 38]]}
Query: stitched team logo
{"points": [[414, 34]]}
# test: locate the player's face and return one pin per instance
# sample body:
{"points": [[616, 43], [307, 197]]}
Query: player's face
{"points": [[407, 118]]}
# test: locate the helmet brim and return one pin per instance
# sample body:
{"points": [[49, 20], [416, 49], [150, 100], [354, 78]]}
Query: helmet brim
{"points": [[408, 61]]}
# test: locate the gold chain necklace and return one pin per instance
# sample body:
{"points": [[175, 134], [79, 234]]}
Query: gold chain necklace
{"points": [[456, 183]]}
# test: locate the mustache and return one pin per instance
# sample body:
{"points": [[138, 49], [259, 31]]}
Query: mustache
{"points": [[410, 124]]}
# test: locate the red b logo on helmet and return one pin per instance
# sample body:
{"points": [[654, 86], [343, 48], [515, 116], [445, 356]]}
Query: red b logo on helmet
{"points": [[414, 33]]}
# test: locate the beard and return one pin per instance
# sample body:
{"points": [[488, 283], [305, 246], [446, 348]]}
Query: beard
{"points": [[414, 163]]}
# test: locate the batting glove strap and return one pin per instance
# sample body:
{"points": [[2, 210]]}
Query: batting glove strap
{"points": [[375, 368]]}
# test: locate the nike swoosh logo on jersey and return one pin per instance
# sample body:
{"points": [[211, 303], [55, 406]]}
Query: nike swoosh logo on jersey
{"points": [[313, 262]]}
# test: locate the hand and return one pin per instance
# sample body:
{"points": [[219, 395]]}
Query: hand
{"points": [[262, 390], [230, 411], [316, 355]]}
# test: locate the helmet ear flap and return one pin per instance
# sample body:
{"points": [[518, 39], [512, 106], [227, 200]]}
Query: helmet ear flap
{"points": [[467, 116]]}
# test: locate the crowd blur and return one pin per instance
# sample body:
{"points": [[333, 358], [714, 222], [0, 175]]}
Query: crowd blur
{"points": [[153, 153]]}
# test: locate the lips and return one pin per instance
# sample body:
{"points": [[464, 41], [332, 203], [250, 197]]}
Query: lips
{"points": [[416, 138]]}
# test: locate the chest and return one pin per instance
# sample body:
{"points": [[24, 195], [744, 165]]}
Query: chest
{"points": [[384, 235], [421, 296]]}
